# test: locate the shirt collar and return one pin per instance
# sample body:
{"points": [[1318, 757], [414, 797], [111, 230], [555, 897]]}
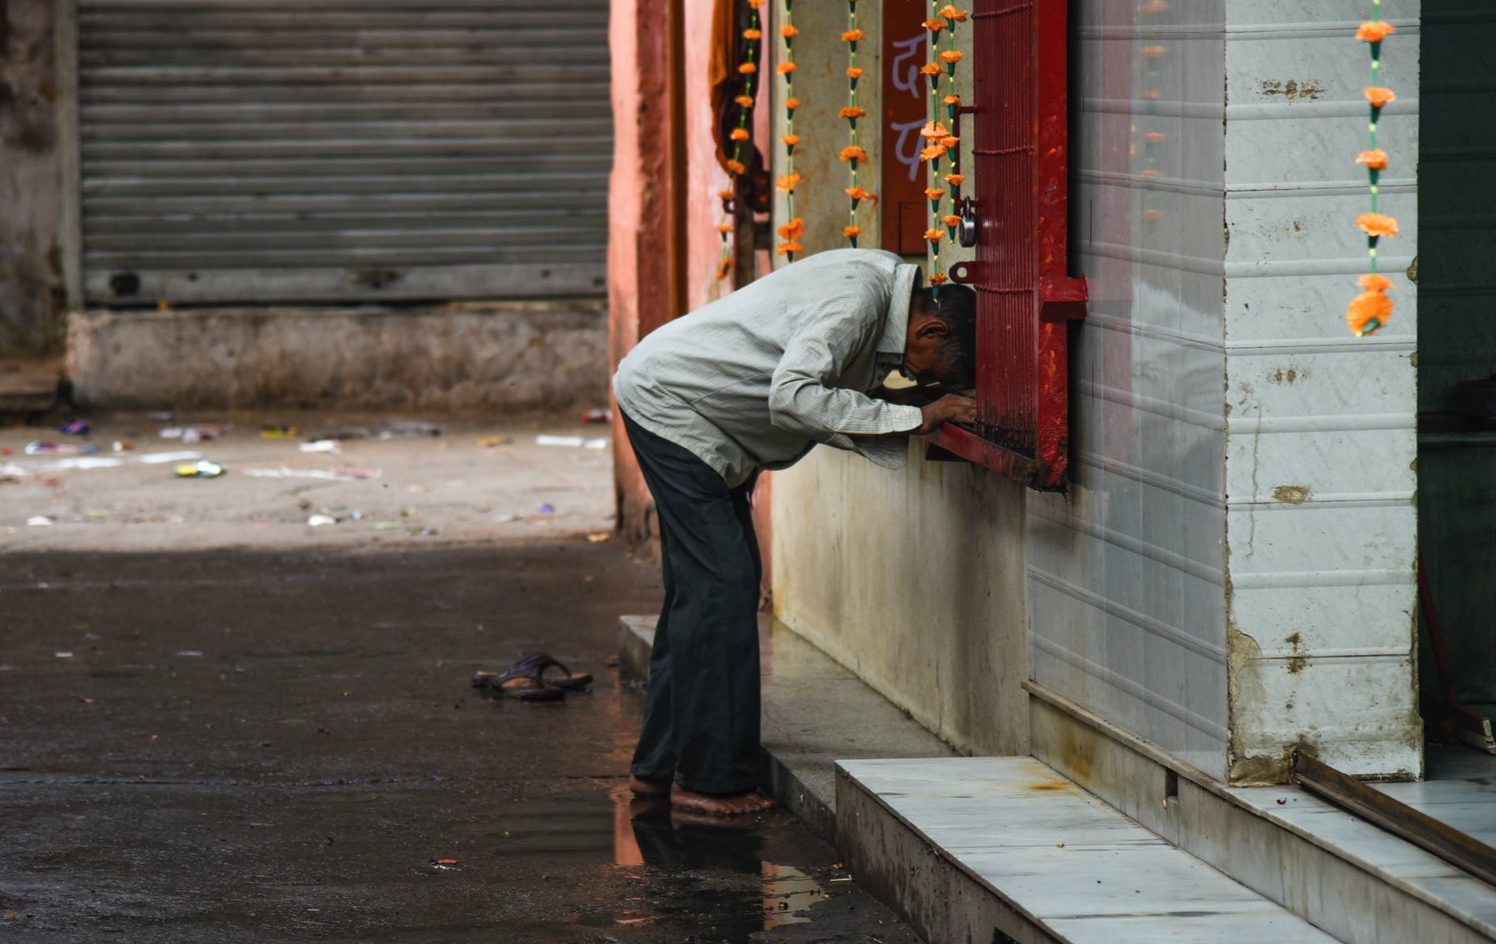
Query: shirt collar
{"points": [[896, 325]]}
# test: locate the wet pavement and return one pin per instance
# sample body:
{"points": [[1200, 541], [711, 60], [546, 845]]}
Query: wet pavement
{"points": [[282, 745]]}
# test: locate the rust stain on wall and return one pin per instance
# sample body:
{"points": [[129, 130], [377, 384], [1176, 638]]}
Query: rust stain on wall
{"points": [[1292, 89]]}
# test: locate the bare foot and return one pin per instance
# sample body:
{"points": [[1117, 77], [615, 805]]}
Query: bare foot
{"points": [[649, 788], [732, 804]]}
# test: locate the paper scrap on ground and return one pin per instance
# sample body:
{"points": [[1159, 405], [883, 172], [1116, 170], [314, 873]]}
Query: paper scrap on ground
{"points": [[574, 442], [160, 458]]}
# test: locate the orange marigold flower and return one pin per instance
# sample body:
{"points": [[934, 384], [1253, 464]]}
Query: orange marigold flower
{"points": [[1380, 97], [793, 229], [739, 134], [753, 34], [1377, 224], [1152, 95], [735, 167], [785, 68], [790, 139], [789, 31], [745, 100], [1154, 52], [1368, 312], [747, 68], [1374, 31], [854, 73], [853, 36], [1150, 173], [851, 232], [851, 111], [951, 13], [1375, 159], [857, 193], [1153, 215], [724, 266], [934, 130], [932, 235], [930, 68], [951, 220], [934, 25], [938, 278], [792, 103], [1154, 6], [853, 153], [955, 180], [953, 99], [934, 193], [724, 228], [1155, 137], [951, 56], [1372, 282], [933, 152], [949, 143], [785, 249], [755, 4], [725, 194], [788, 182]]}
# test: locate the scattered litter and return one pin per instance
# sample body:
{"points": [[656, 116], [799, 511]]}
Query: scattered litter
{"points": [[75, 428], [328, 475], [64, 654], [122, 445], [39, 521], [444, 865], [386, 525], [317, 521], [161, 416], [573, 442], [84, 462], [190, 653], [547, 509], [38, 448], [161, 458], [488, 442], [200, 470], [271, 431], [392, 429], [192, 434], [598, 537], [321, 445], [598, 414], [11, 474]]}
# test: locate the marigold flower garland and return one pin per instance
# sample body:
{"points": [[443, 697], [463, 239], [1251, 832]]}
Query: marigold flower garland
{"points": [[940, 141], [853, 153], [1371, 310], [794, 228], [748, 69]]}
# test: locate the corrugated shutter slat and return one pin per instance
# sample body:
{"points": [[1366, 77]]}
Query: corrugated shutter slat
{"points": [[261, 151]]}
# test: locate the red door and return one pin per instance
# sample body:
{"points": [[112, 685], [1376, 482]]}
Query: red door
{"points": [[1025, 296]]}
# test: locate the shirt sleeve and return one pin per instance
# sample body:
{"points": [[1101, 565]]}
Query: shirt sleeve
{"points": [[804, 393]]}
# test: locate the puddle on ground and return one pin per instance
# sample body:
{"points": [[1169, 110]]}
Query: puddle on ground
{"points": [[682, 850]]}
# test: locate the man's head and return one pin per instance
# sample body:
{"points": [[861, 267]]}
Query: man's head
{"points": [[942, 340]]}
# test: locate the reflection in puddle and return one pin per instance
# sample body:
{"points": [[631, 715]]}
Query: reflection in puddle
{"points": [[686, 855]]}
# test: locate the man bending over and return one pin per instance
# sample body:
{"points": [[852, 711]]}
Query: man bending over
{"points": [[753, 382]]}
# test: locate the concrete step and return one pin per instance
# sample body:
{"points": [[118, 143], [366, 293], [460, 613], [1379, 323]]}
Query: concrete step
{"points": [[1004, 849], [28, 386], [815, 712]]}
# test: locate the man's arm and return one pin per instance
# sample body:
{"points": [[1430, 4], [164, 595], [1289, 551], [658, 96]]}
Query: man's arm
{"points": [[803, 394]]}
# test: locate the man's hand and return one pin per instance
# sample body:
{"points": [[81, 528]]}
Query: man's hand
{"points": [[948, 409]]}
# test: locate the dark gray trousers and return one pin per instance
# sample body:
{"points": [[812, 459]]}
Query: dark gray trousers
{"points": [[701, 718]]}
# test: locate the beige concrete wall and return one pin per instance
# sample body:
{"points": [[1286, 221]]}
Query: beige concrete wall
{"points": [[519, 356], [914, 580]]}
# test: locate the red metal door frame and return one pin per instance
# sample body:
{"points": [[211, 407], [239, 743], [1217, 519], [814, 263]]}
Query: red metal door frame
{"points": [[1025, 295]]}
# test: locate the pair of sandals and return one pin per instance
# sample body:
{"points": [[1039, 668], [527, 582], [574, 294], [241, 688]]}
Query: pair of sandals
{"points": [[526, 680]]}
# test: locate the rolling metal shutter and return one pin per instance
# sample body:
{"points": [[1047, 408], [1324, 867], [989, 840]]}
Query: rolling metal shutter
{"points": [[254, 151]]}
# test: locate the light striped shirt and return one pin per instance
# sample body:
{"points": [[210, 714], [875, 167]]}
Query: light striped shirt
{"points": [[756, 379]]}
